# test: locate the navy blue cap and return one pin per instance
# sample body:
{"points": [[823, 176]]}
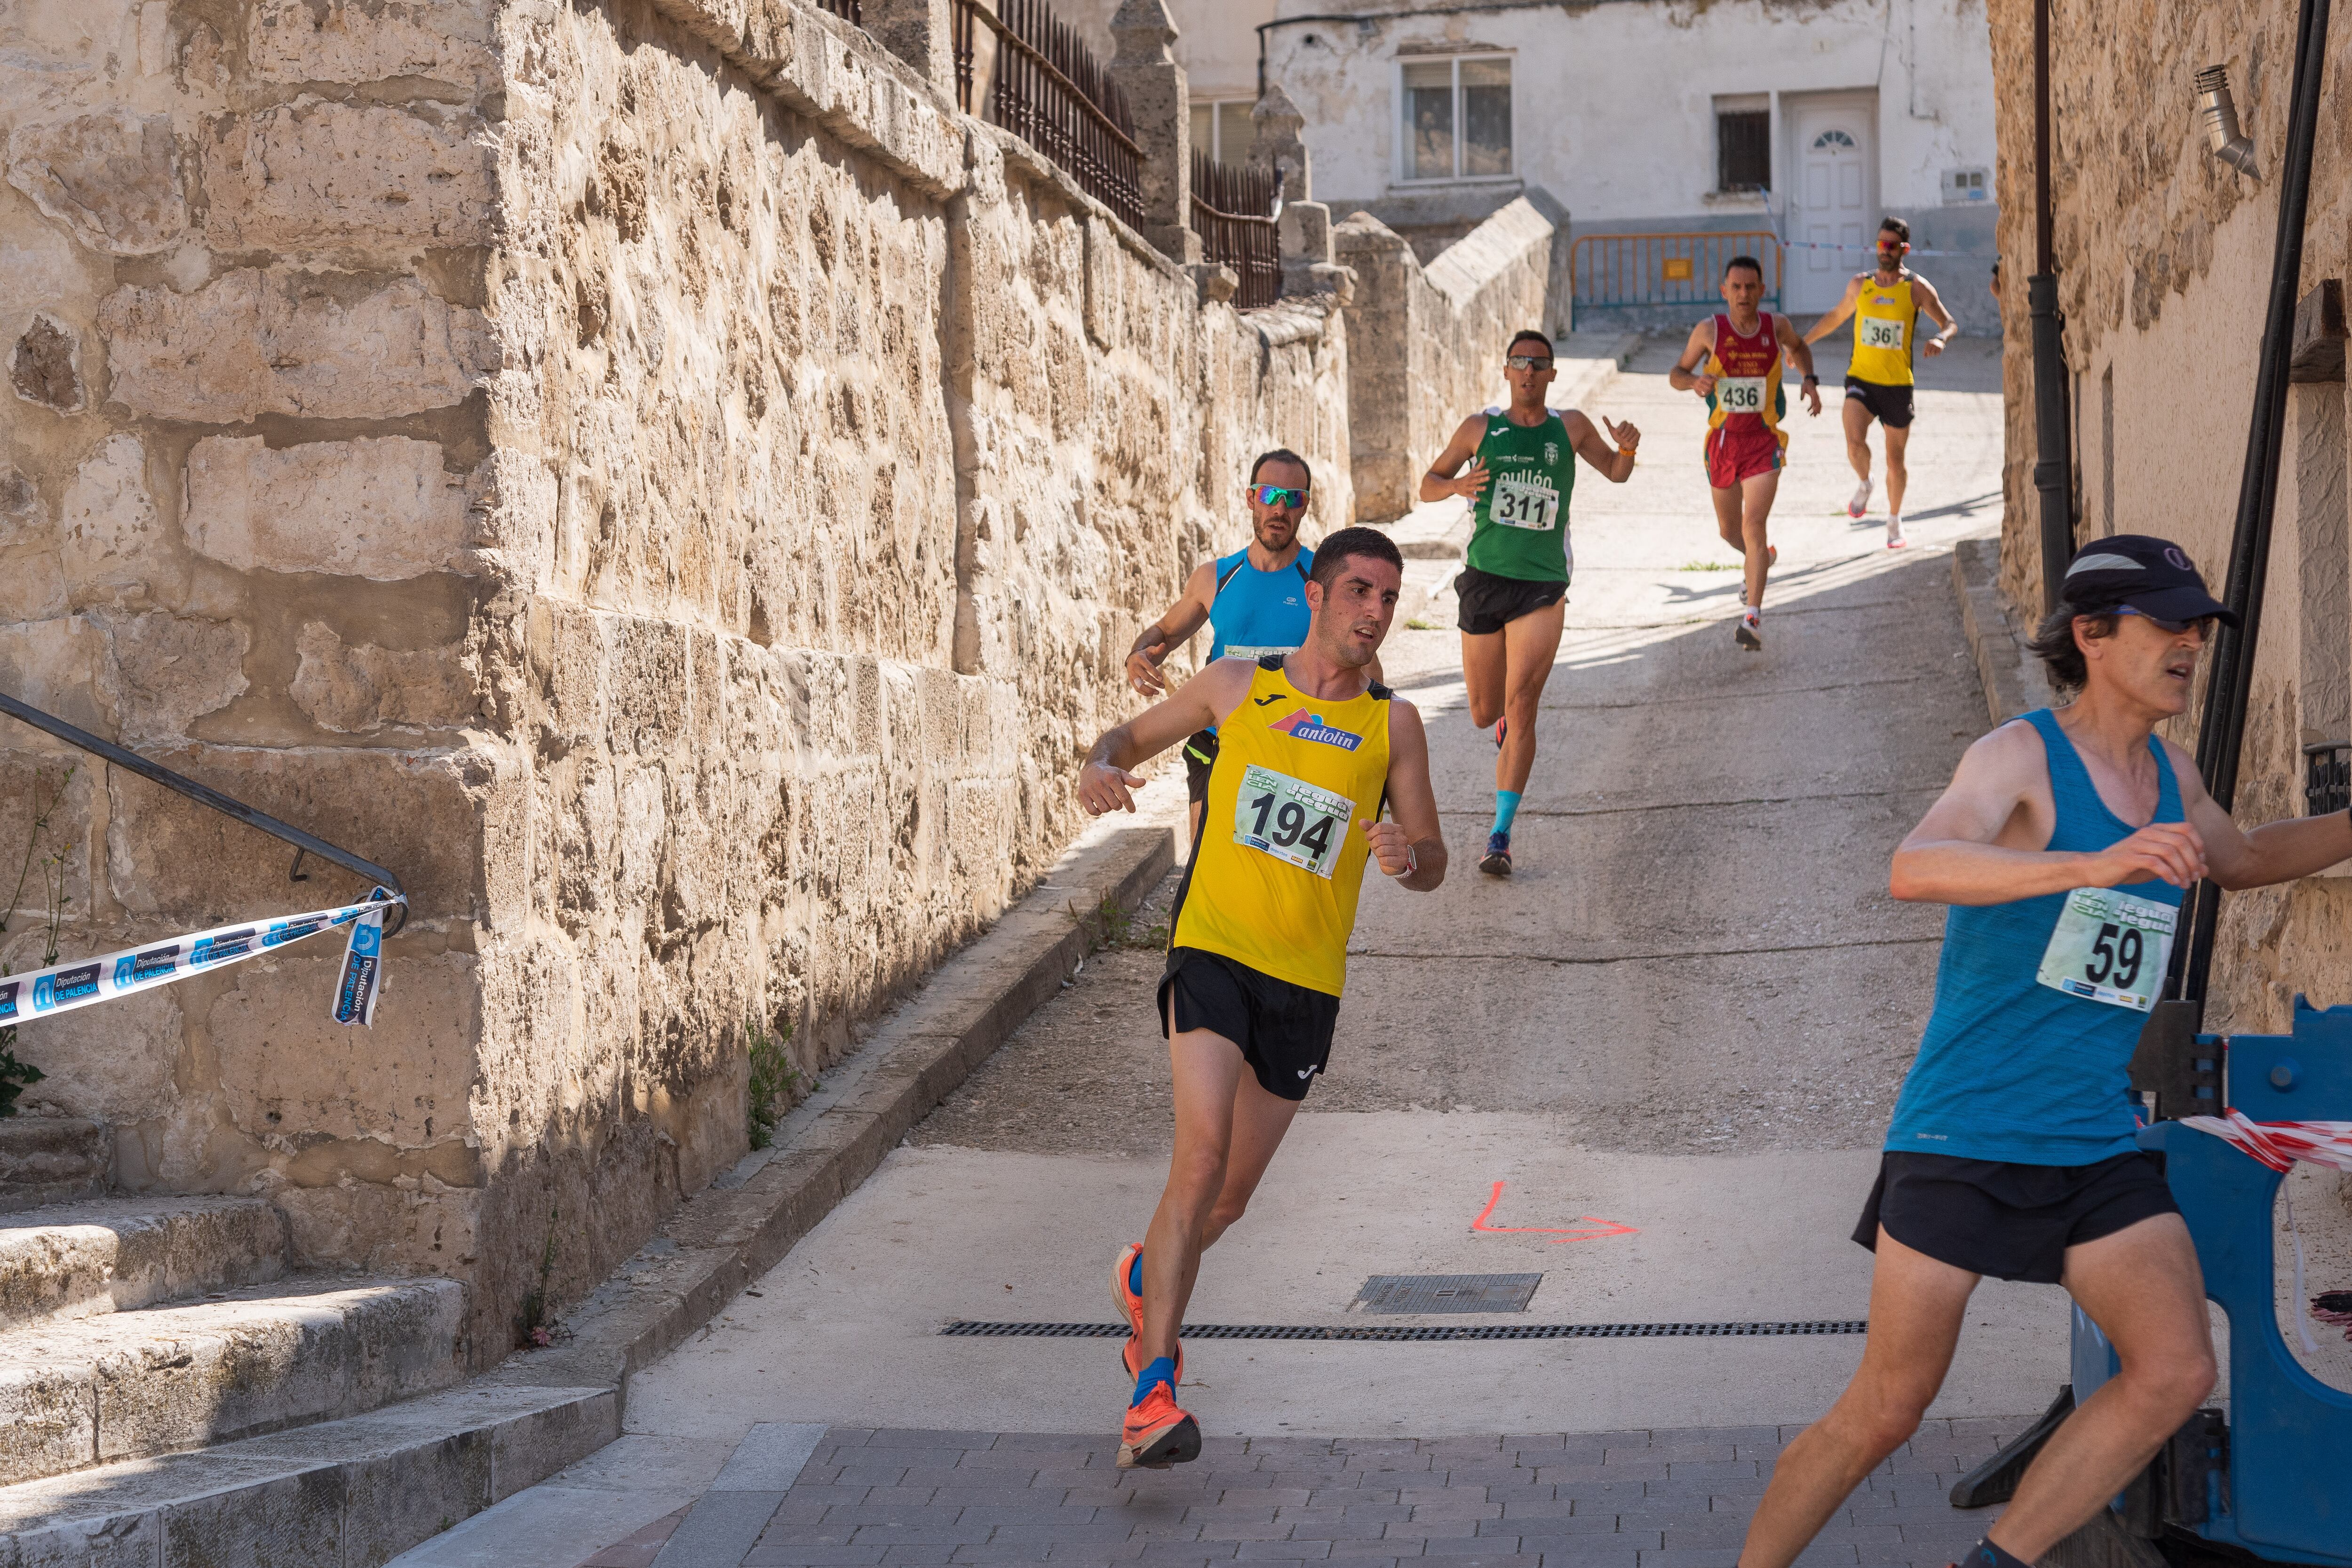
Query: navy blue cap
{"points": [[2154, 576]]}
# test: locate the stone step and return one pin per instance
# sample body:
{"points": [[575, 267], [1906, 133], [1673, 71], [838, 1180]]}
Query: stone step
{"points": [[352, 1493], [121, 1385], [80, 1260], [50, 1160]]}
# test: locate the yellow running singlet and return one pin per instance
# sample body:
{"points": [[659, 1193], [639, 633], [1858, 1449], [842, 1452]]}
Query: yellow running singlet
{"points": [[1885, 319], [1280, 859]]}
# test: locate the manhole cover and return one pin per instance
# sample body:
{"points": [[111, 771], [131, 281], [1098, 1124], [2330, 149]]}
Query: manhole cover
{"points": [[1447, 1292]]}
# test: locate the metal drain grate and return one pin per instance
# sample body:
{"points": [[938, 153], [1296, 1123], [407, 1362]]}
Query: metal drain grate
{"points": [[1416, 1334], [1447, 1292]]}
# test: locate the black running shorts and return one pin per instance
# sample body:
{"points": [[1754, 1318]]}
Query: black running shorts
{"points": [[1890, 405], [1283, 1030], [2011, 1221], [1199, 750], [1489, 602]]}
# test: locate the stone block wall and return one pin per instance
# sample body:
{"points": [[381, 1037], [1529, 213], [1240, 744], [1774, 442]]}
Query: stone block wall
{"points": [[2164, 262], [657, 477], [1427, 344]]}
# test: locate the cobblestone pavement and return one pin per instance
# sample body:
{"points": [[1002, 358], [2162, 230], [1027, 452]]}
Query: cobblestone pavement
{"points": [[1665, 1498]]}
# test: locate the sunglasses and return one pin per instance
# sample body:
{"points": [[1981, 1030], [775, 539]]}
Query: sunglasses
{"points": [[1527, 362], [2202, 622], [1276, 495]]}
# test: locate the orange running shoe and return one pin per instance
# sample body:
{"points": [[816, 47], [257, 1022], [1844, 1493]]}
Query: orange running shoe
{"points": [[1158, 1433], [1131, 1306]]}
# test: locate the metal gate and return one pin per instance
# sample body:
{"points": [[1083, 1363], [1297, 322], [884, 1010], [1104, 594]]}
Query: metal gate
{"points": [[1609, 271]]}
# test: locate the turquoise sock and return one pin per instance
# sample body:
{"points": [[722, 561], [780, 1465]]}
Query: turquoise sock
{"points": [[1506, 806], [1135, 1273], [1160, 1371]]}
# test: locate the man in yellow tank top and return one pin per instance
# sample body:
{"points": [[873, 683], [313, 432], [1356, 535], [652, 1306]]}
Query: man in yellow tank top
{"points": [[1310, 748], [1886, 305]]}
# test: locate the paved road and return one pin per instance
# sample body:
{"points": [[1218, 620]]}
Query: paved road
{"points": [[1653, 1067]]}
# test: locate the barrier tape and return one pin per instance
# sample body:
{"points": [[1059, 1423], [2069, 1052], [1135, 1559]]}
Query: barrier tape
{"points": [[63, 987], [1873, 249]]}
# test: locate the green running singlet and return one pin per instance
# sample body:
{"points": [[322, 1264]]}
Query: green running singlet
{"points": [[1520, 527]]}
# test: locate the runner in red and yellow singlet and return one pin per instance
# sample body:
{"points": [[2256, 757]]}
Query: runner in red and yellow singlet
{"points": [[1734, 360]]}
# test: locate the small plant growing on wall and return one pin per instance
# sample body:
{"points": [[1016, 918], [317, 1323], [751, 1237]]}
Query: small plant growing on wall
{"points": [[775, 1082], [535, 1330], [15, 1076]]}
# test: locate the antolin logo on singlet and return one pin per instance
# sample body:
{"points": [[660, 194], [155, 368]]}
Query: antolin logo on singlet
{"points": [[1305, 726]]}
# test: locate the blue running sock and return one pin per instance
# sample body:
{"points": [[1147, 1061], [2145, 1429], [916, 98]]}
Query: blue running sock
{"points": [[1162, 1370], [1135, 1273], [1506, 806]]}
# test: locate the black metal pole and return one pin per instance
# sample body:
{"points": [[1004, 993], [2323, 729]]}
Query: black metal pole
{"points": [[2054, 463], [2221, 733]]}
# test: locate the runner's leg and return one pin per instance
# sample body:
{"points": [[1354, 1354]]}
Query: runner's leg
{"points": [[1483, 670], [1530, 643], [1858, 437], [1209, 1072], [2143, 1288], [1259, 1121], [1755, 493], [1897, 476], [1727, 515], [1916, 1308]]}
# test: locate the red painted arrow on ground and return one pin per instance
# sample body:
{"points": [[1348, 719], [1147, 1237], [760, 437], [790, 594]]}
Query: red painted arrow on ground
{"points": [[1588, 1228]]}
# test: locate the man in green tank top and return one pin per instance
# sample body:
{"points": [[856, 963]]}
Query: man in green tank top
{"points": [[1513, 591]]}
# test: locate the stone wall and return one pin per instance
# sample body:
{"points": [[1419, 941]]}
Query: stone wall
{"points": [[658, 478], [2164, 261], [1427, 344]]}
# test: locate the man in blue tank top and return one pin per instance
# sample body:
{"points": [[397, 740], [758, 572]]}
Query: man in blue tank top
{"points": [[2064, 845], [1254, 600]]}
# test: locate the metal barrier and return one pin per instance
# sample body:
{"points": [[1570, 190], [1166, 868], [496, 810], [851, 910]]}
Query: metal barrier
{"points": [[1233, 211], [1048, 89], [1612, 270]]}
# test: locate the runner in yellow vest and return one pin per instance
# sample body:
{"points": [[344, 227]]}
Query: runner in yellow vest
{"points": [[1886, 305], [1311, 752]]}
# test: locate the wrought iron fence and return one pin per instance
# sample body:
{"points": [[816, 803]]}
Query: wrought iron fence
{"points": [[1232, 212], [1667, 268], [1048, 89], [2327, 777], [847, 10]]}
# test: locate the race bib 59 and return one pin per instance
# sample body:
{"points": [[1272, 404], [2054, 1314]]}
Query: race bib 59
{"points": [[2109, 947]]}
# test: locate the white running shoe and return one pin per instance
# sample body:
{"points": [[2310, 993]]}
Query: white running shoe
{"points": [[1894, 539], [1861, 502], [1748, 633]]}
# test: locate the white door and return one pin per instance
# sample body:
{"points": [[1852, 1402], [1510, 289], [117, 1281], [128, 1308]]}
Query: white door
{"points": [[1831, 204]]}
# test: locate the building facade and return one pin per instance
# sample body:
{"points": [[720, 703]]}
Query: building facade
{"points": [[1803, 123]]}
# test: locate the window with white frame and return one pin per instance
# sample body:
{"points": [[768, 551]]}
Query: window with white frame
{"points": [[1222, 129], [1458, 118]]}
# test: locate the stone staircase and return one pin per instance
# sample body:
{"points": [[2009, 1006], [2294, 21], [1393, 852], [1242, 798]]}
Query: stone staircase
{"points": [[132, 1328]]}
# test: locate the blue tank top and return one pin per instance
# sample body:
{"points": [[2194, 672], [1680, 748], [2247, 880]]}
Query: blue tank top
{"points": [[2012, 1069], [1255, 613]]}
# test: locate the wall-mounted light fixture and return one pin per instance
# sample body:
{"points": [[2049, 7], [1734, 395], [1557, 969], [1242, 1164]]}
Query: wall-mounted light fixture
{"points": [[2219, 111]]}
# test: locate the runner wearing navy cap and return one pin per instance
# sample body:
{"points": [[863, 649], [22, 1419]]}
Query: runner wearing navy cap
{"points": [[2064, 845]]}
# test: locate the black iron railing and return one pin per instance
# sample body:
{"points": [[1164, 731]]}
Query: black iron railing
{"points": [[847, 10], [1048, 89], [2327, 777], [1233, 213]]}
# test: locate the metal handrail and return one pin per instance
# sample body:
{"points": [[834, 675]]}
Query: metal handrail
{"points": [[205, 795]]}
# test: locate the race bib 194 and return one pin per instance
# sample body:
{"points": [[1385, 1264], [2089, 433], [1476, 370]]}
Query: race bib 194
{"points": [[1526, 503], [2110, 947], [1240, 650], [1740, 394], [1881, 333], [1290, 819]]}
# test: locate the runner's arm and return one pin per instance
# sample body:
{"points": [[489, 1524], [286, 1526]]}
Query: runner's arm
{"points": [[1836, 318], [1686, 376], [1105, 781], [1953, 856], [1412, 834], [1439, 482], [1158, 640], [1801, 354], [1931, 305], [1614, 455], [2277, 851]]}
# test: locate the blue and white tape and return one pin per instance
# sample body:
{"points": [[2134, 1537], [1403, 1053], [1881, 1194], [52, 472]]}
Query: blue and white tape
{"points": [[86, 982]]}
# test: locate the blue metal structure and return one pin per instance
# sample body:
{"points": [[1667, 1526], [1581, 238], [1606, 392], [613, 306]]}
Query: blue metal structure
{"points": [[2275, 1479]]}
